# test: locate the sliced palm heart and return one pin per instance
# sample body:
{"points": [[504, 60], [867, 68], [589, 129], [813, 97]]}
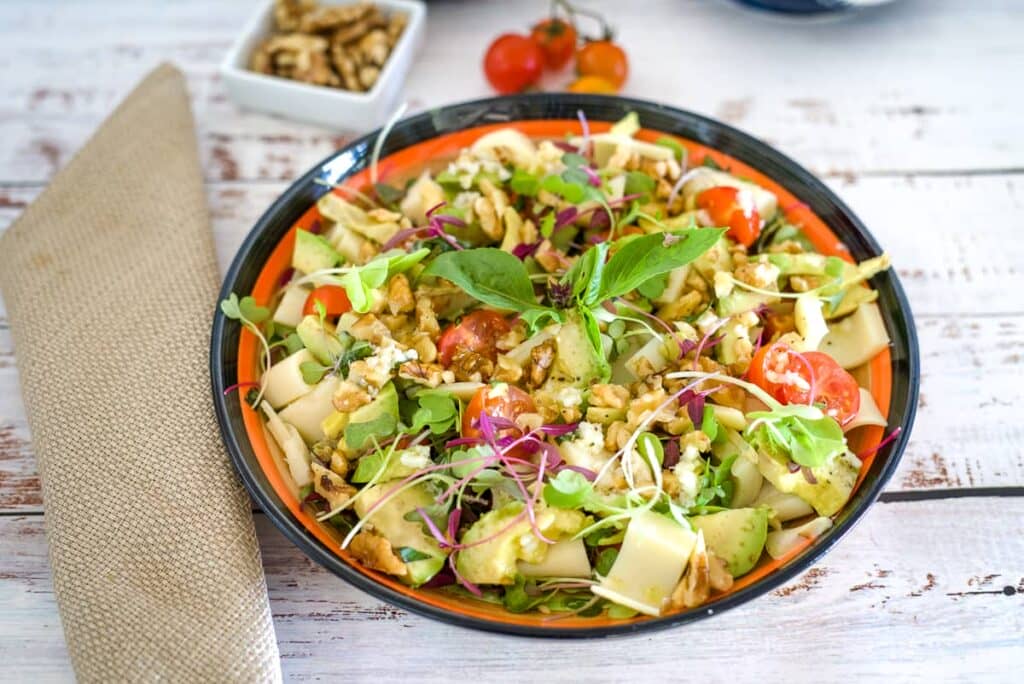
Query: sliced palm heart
{"points": [[654, 552], [856, 339]]}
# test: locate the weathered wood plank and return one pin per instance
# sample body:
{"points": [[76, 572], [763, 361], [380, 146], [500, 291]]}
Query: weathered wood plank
{"points": [[939, 579], [933, 112]]}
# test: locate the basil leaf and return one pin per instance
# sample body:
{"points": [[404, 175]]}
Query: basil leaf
{"points": [[490, 275], [358, 434], [411, 555], [643, 258], [585, 275], [671, 144], [654, 287], [568, 489], [403, 262]]}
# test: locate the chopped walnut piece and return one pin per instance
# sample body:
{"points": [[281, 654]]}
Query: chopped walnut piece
{"points": [[429, 374], [375, 552], [288, 13], [426, 319], [349, 396], [339, 464], [541, 359], [331, 486], [611, 396], [470, 366], [369, 328], [400, 295], [330, 17]]}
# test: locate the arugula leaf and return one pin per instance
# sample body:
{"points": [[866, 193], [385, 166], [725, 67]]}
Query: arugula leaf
{"points": [[245, 310], [709, 425], [568, 489], [313, 372], [570, 191], [671, 144], [411, 555], [605, 560], [649, 447], [524, 183], [358, 434], [388, 195], [490, 275], [437, 410], [293, 343], [642, 258], [639, 184], [801, 433], [516, 599]]}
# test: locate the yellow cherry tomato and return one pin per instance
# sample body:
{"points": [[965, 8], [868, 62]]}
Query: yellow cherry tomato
{"points": [[592, 84]]}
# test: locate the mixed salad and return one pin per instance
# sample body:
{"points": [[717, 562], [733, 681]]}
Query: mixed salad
{"points": [[582, 376]]}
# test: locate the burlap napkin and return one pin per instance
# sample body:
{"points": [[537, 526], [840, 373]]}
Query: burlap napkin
{"points": [[110, 282]]}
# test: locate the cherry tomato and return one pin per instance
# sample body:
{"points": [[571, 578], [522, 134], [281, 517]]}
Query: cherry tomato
{"points": [[501, 401], [333, 298], [779, 371], [478, 332], [723, 207], [605, 59], [557, 39], [833, 387], [592, 84], [513, 62]]}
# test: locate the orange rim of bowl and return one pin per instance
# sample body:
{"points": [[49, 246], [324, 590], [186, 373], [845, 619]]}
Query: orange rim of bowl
{"points": [[415, 157]]}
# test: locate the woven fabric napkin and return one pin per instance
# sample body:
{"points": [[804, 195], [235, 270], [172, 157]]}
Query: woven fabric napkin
{"points": [[110, 282]]}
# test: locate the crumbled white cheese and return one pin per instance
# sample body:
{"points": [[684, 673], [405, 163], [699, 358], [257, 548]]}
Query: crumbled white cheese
{"points": [[499, 390], [708, 321], [569, 397], [415, 457], [587, 449], [723, 283]]}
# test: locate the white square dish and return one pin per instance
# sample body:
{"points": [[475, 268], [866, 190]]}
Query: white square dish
{"points": [[331, 107]]}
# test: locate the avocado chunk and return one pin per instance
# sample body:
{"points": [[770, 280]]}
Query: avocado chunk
{"points": [[736, 536], [496, 561], [389, 521], [378, 419], [319, 339], [833, 484], [307, 413], [312, 253], [577, 363]]}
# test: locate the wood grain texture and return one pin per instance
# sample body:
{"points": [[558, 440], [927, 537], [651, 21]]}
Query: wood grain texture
{"points": [[894, 599], [777, 78]]}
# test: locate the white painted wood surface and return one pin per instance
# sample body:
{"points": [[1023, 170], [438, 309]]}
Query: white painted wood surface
{"points": [[911, 113]]}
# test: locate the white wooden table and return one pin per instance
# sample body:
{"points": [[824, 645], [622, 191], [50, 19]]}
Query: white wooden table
{"points": [[914, 114]]}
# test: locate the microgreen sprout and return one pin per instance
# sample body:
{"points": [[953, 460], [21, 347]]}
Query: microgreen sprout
{"points": [[247, 312]]}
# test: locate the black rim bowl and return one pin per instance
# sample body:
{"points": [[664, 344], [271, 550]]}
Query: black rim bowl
{"points": [[283, 213]]}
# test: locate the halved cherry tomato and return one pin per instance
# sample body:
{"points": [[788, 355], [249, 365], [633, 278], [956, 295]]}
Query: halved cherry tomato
{"points": [[333, 298], [513, 62], [605, 59], [557, 38], [836, 389], [723, 207], [780, 372], [498, 401], [592, 84], [477, 332]]}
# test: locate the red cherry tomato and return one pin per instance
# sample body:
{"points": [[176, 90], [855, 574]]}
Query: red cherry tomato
{"points": [[780, 372], [504, 401], [478, 332], [513, 62], [333, 298], [605, 59], [557, 39], [833, 387], [592, 84], [723, 207]]}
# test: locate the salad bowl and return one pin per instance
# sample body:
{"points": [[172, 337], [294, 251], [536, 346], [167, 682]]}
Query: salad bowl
{"points": [[263, 261]]}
